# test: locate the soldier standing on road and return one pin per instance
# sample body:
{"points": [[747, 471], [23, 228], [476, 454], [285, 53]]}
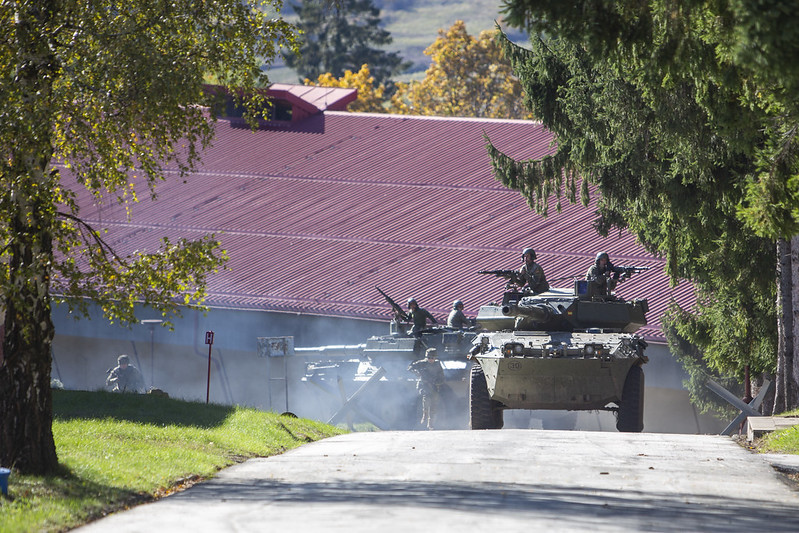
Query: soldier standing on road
{"points": [[531, 273], [418, 317], [431, 379], [125, 377], [457, 319], [603, 274]]}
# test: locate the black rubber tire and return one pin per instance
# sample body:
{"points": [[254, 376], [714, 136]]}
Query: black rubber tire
{"points": [[631, 408], [497, 415], [480, 410]]}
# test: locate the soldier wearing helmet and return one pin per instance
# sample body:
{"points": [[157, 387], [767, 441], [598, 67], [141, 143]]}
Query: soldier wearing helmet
{"points": [[457, 319], [125, 377], [604, 274], [418, 317], [431, 379], [531, 274]]}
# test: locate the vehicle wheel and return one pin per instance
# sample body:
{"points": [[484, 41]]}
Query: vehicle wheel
{"points": [[631, 408], [481, 414], [497, 415]]}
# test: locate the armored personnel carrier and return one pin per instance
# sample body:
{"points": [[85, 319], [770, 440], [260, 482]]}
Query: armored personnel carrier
{"points": [[564, 349], [370, 382]]}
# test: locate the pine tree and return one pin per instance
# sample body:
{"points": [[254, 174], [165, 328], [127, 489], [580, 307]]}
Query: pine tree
{"points": [[340, 36], [684, 115]]}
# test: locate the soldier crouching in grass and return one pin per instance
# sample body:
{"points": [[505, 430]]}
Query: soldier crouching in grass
{"points": [[125, 377], [431, 379]]}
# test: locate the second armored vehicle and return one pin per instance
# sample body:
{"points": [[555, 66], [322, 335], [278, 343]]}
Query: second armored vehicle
{"points": [[372, 380], [564, 349]]}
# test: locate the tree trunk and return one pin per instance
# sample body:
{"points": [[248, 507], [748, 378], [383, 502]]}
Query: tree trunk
{"points": [[793, 385], [26, 403], [29, 202], [785, 396]]}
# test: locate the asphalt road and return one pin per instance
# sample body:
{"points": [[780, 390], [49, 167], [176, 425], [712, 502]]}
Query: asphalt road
{"points": [[500, 481]]}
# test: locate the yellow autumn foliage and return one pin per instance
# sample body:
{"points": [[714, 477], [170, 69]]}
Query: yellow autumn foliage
{"points": [[468, 77], [370, 98]]}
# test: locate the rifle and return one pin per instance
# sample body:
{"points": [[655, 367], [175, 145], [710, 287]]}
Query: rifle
{"points": [[511, 275], [630, 270], [398, 312]]}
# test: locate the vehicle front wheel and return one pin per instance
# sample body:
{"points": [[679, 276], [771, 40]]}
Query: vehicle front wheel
{"points": [[631, 408], [480, 411]]}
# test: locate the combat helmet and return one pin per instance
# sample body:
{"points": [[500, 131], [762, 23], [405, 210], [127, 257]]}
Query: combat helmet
{"points": [[456, 303], [599, 256], [529, 251], [412, 301]]}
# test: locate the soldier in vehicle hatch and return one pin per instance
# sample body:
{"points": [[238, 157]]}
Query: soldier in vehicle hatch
{"points": [[604, 274], [431, 378], [531, 274], [418, 317], [456, 318]]}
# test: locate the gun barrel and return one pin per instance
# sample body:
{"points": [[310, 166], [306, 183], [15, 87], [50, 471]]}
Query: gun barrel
{"points": [[540, 313], [510, 274], [332, 351], [394, 305]]}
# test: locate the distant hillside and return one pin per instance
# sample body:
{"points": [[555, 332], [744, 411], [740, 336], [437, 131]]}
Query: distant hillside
{"points": [[414, 25]]}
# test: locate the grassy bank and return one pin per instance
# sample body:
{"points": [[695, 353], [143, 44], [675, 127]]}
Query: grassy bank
{"points": [[117, 450], [782, 441]]}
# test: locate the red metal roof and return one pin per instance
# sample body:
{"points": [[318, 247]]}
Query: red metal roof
{"points": [[315, 215], [319, 98]]}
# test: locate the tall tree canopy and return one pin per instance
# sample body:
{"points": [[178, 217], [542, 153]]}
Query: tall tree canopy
{"points": [[467, 77], [340, 36], [91, 92], [668, 109]]}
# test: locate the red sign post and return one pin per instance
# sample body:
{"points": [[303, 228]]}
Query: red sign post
{"points": [[209, 340]]}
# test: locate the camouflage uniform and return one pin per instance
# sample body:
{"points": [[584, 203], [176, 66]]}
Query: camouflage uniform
{"points": [[431, 378], [458, 320], [419, 318], [604, 278], [127, 379], [533, 277]]}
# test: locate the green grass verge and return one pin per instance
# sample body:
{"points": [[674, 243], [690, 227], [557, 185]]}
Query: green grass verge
{"points": [[782, 441], [118, 450]]}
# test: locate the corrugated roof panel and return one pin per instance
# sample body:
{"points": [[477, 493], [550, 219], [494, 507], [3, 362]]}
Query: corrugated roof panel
{"points": [[316, 215]]}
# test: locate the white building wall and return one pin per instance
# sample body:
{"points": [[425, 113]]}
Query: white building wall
{"points": [[177, 362]]}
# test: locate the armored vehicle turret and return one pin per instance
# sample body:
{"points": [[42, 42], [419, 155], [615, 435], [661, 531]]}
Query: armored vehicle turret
{"points": [[564, 349]]}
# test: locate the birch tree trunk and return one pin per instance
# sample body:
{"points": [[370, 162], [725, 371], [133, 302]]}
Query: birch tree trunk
{"points": [[26, 403], [26, 410]]}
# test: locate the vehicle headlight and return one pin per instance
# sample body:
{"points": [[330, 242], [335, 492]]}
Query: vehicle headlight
{"points": [[593, 350], [512, 348]]}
